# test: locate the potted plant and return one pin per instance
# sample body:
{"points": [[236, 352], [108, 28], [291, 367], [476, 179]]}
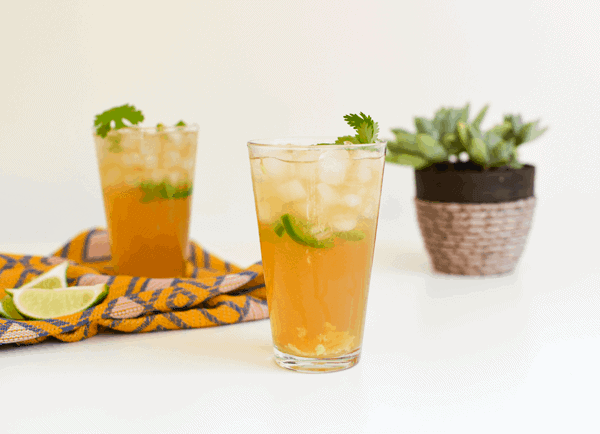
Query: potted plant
{"points": [[474, 199]]}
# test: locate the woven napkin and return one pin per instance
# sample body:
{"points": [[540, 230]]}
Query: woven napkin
{"points": [[214, 292]]}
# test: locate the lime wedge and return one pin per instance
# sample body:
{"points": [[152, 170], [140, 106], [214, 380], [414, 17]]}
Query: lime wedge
{"points": [[298, 231], [8, 309], [38, 303], [54, 278], [353, 235]]}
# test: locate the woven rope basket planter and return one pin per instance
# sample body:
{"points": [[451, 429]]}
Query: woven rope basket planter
{"points": [[475, 238]]}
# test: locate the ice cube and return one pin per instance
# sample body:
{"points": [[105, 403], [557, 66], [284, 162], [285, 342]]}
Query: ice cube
{"points": [[275, 167], [151, 161], [263, 209], [176, 138], [327, 194], [172, 159], [306, 170], [343, 222], [291, 191], [188, 164], [360, 154], [257, 171], [363, 172], [352, 200], [112, 175], [370, 210], [158, 175], [176, 177], [333, 166]]}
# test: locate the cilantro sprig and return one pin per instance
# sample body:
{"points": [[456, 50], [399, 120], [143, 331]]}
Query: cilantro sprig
{"points": [[112, 119], [366, 128]]}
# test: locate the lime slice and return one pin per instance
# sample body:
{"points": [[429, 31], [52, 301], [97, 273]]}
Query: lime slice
{"points": [[54, 278], [353, 235], [37, 303], [8, 309], [298, 231]]}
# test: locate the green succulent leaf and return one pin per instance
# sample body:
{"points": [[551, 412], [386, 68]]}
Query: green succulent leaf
{"points": [[503, 153], [431, 148], [406, 143], [425, 126], [477, 148], [515, 164], [492, 139], [515, 121], [453, 116], [463, 133], [464, 114], [439, 123], [403, 136], [407, 160], [479, 118], [529, 132]]}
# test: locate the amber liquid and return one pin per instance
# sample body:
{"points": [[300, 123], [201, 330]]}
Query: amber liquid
{"points": [[317, 297], [147, 239]]}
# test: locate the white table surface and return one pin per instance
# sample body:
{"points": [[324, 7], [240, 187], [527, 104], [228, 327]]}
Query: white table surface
{"points": [[518, 353]]}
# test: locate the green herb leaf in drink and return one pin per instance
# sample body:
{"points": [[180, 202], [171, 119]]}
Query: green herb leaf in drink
{"points": [[164, 190], [366, 129], [279, 228], [112, 119]]}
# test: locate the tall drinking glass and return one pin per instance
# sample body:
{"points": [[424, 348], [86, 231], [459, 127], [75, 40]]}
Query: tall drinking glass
{"points": [[147, 178], [317, 209]]}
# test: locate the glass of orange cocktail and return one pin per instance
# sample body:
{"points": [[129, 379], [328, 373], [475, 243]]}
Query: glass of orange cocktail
{"points": [[317, 207], [147, 178]]}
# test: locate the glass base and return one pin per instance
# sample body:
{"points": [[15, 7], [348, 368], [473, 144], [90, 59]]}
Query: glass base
{"points": [[314, 365]]}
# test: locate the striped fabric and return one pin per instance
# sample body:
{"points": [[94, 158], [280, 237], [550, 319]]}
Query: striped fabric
{"points": [[214, 292]]}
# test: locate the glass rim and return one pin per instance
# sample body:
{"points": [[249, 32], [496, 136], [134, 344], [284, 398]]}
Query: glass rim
{"points": [[287, 143], [166, 129]]}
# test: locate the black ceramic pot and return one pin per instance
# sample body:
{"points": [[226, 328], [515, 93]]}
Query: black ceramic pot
{"points": [[467, 183]]}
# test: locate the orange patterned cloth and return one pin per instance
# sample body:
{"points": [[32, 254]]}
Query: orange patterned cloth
{"points": [[214, 292]]}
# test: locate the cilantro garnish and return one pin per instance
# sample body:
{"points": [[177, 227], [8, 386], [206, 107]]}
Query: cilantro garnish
{"points": [[113, 119], [366, 129], [180, 124]]}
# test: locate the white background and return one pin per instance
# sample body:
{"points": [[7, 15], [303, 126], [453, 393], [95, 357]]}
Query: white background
{"points": [[521, 349], [254, 69]]}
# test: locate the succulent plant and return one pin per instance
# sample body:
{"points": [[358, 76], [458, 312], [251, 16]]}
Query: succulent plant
{"points": [[450, 133]]}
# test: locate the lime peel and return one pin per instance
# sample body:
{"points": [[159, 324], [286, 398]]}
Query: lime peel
{"points": [[8, 309]]}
